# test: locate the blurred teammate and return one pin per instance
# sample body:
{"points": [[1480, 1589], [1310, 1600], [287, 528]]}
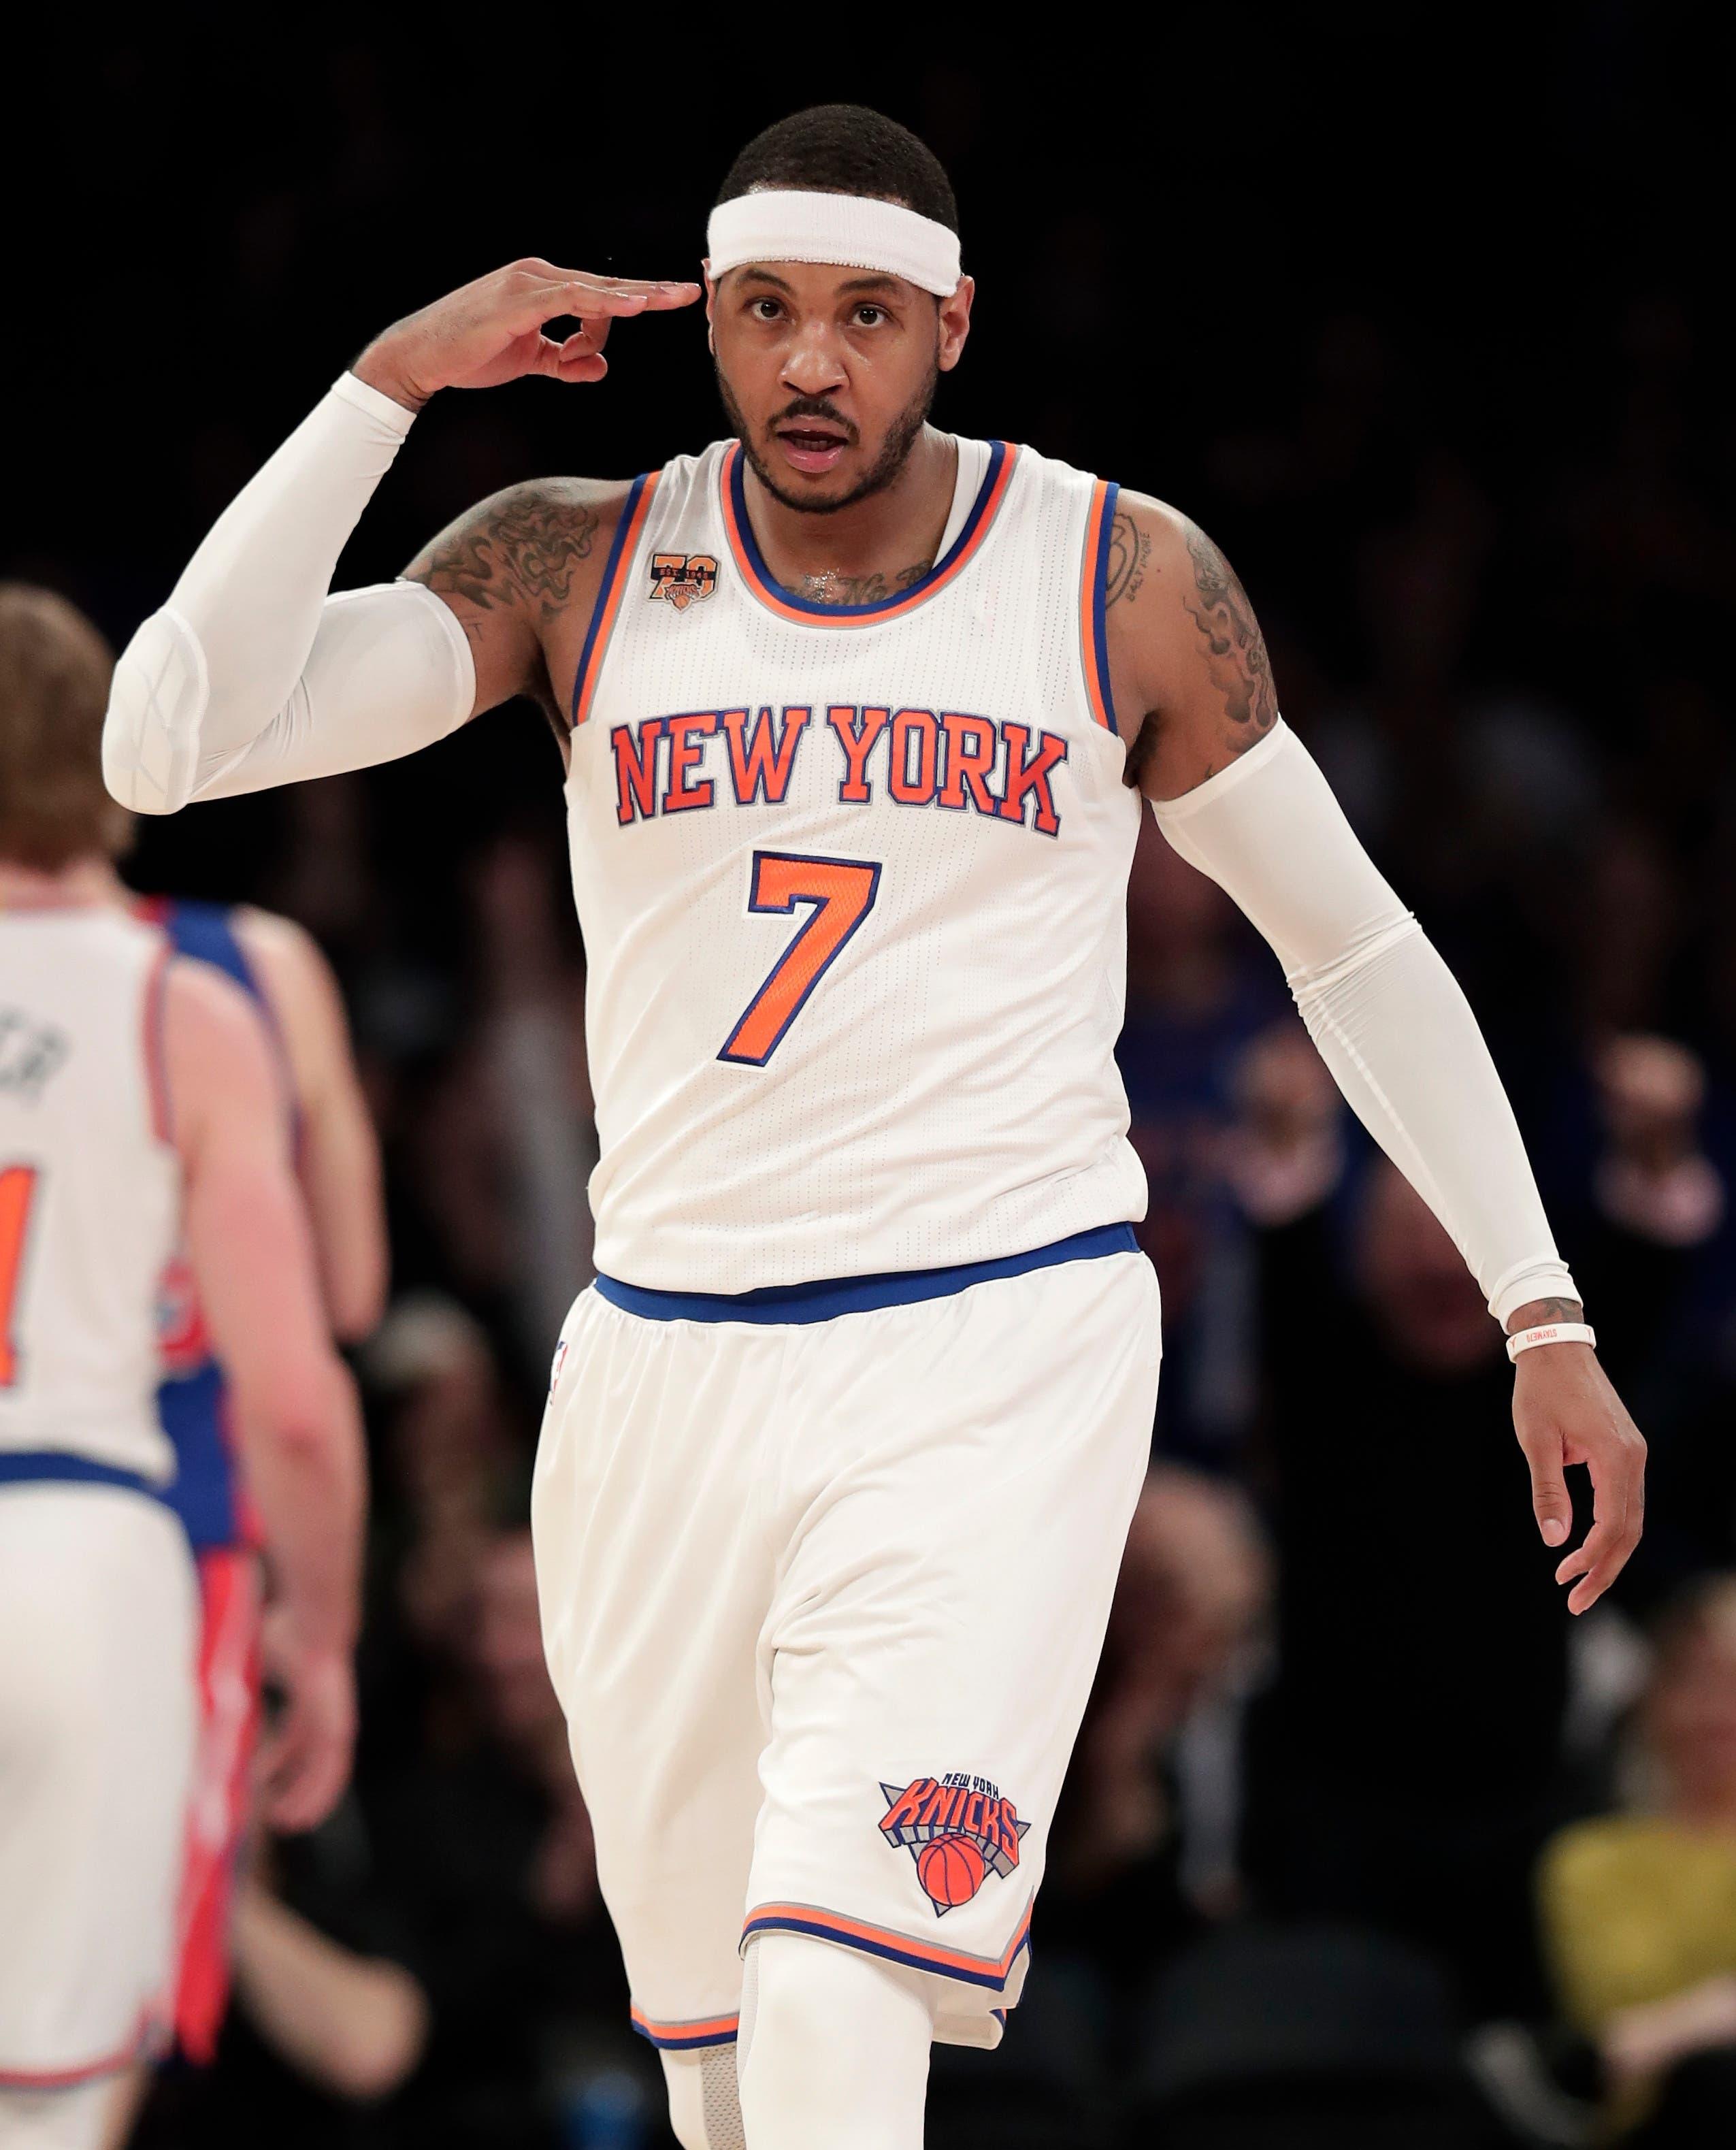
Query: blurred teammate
{"points": [[139, 1109], [337, 1162], [844, 1442]]}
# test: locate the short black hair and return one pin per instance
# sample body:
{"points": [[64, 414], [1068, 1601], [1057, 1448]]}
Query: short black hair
{"points": [[846, 149]]}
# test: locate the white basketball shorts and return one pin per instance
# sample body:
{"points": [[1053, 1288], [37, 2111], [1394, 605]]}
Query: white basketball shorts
{"points": [[824, 1576], [98, 1605]]}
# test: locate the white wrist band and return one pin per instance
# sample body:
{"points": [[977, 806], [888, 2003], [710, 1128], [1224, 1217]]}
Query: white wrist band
{"points": [[1551, 1332], [850, 231]]}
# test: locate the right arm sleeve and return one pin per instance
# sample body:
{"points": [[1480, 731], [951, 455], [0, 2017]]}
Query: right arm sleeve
{"points": [[251, 674]]}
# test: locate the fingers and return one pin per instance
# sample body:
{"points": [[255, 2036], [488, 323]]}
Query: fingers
{"points": [[1550, 1501], [1618, 1511], [577, 359], [540, 293], [303, 1768]]}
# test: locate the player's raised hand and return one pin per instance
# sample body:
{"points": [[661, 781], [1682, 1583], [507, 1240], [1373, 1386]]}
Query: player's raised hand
{"points": [[1565, 1411], [494, 330]]}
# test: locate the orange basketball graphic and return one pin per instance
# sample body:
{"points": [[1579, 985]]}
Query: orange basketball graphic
{"points": [[951, 1869]]}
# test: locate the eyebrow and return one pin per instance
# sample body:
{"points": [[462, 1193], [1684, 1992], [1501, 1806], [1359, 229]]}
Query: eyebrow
{"points": [[765, 276]]}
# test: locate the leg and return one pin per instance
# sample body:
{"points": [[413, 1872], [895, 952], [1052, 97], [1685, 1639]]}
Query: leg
{"points": [[704, 2108], [834, 2049], [96, 1746], [962, 1487], [653, 1572]]}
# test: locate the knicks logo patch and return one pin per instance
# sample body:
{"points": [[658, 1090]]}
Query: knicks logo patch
{"points": [[959, 1831], [683, 578]]}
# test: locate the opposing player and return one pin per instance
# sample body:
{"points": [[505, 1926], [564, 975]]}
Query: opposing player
{"points": [[842, 1443], [337, 1164], [138, 1109]]}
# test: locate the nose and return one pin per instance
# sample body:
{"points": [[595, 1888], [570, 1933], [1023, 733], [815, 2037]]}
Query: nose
{"points": [[813, 365]]}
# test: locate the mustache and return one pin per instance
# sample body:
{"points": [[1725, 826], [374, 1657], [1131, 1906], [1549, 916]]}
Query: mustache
{"points": [[814, 406]]}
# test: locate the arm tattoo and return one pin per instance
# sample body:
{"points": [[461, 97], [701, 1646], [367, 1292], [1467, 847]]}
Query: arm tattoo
{"points": [[1129, 553], [1236, 657], [836, 589], [1539, 1312], [521, 548]]}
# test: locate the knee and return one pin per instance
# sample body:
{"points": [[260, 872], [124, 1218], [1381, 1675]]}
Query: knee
{"points": [[835, 2048]]}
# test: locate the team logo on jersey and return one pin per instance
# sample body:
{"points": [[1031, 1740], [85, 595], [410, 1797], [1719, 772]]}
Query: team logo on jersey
{"points": [[959, 1831], [683, 577]]}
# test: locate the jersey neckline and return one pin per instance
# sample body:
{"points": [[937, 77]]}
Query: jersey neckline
{"points": [[745, 548]]}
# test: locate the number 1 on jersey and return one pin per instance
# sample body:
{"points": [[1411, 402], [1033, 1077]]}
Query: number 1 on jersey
{"points": [[842, 892], [17, 1185]]}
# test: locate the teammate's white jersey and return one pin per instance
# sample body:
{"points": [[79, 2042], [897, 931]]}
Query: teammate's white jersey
{"points": [[89, 1186], [852, 882]]}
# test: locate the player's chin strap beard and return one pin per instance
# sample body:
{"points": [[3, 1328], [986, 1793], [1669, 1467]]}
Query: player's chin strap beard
{"points": [[900, 439]]}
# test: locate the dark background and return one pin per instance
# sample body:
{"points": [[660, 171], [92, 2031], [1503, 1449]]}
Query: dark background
{"points": [[1425, 315]]}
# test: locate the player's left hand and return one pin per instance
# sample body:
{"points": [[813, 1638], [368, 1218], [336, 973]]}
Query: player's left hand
{"points": [[304, 1757], [1565, 1411]]}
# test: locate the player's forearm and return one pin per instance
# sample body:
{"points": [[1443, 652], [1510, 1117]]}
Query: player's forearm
{"points": [[204, 678], [301, 1445], [1383, 1011]]}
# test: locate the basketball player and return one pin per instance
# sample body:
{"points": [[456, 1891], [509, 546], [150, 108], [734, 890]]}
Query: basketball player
{"points": [[138, 1109], [337, 1164], [843, 1440]]}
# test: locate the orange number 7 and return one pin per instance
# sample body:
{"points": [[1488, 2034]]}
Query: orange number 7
{"points": [[842, 892], [17, 1183]]}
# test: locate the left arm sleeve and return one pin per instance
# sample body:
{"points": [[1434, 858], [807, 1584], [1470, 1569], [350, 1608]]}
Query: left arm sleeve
{"points": [[1384, 1012]]}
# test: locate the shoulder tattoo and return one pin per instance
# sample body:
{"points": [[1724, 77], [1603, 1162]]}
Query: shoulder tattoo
{"points": [[1129, 555], [1236, 649], [521, 548]]}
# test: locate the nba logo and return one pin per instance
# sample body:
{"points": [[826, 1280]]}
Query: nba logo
{"points": [[683, 577]]}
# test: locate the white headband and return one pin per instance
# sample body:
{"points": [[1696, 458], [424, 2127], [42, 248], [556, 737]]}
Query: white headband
{"points": [[853, 231]]}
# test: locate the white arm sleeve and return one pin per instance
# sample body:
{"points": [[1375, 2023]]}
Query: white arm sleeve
{"points": [[1385, 1013], [250, 674]]}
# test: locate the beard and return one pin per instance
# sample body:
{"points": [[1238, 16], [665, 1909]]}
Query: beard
{"points": [[895, 451]]}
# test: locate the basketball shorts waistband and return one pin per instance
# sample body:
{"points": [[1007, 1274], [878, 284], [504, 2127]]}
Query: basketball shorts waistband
{"points": [[826, 1298], [61, 1467]]}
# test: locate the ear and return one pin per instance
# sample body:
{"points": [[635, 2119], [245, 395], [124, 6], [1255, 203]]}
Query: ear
{"points": [[954, 324], [710, 303]]}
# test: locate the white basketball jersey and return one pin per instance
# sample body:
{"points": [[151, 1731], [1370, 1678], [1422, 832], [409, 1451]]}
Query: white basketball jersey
{"points": [[852, 881], [90, 1186]]}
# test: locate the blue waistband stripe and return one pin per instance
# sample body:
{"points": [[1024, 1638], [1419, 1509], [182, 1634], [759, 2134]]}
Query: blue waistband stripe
{"points": [[827, 1297], [60, 1466]]}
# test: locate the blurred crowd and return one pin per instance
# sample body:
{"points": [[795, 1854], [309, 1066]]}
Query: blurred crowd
{"points": [[1365, 1842]]}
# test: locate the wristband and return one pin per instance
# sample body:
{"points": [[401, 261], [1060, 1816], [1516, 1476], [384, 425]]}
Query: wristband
{"points": [[1549, 1332]]}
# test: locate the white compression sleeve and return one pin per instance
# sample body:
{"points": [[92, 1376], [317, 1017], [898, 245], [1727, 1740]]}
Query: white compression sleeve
{"points": [[226, 658], [389, 671], [1385, 1013]]}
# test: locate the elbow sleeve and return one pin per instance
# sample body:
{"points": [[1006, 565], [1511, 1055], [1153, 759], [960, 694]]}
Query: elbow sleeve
{"points": [[389, 671], [1385, 1013], [156, 704]]}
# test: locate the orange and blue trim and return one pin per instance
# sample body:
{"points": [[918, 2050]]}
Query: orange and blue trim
{"points": [[685, 2037], [1093, 591], [607, 609], [750, 561], [990, 1971]]}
